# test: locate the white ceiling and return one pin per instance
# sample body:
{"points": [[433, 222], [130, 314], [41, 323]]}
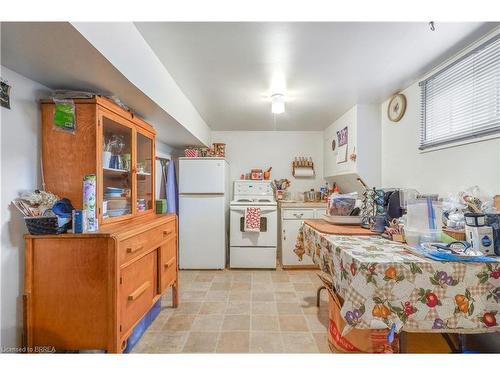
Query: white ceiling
{"points": [[226, 69]]}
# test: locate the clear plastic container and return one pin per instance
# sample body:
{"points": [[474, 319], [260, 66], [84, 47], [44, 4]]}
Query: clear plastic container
{"points": [[424, 216], [416, 237]]}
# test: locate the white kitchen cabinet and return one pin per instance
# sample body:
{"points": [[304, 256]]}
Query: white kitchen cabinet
{"points": [[291, 221], [289, 234], [361, 119], [319, 212]]}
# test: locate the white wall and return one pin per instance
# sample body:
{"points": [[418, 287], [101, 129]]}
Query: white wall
{"points": [[20, 151], [364, 139], [246, 150], [349, 120], [440, 171]]}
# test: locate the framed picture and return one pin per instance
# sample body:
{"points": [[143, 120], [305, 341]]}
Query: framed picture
{"points": [[342, 137], [4, 94]]}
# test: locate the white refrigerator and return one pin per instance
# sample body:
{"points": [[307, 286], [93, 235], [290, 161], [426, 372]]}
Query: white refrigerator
{"points": [[203, 213]]}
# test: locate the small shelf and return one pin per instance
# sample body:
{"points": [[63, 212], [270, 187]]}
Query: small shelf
{"points": [[113, 170], [143, 174]]}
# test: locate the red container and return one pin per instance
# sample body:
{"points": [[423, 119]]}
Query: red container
{"points": [[191, 153]]}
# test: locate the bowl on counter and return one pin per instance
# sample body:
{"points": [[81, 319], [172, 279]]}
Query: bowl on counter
{"points": [[343, 220]]}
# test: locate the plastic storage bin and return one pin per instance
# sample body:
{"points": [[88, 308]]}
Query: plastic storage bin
{"points": [[423, 222], [416, 237]]}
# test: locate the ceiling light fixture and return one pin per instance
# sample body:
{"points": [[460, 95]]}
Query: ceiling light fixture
{"points": [[277, 103]]}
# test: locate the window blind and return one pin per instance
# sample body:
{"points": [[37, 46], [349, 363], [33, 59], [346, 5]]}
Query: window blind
{"points": [[462, 100]]}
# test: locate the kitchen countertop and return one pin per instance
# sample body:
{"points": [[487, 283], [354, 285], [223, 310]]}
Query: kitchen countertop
{"points": [[325, 227], [300, 204]]}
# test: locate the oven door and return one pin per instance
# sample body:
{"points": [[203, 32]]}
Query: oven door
{"points": [[268, 227]]}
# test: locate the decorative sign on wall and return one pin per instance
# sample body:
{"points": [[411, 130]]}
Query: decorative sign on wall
{"points": [[4, 94], [342, 136], [342, 141]]}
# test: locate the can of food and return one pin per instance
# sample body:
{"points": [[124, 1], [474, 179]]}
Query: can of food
{"points": [[79, 221]]}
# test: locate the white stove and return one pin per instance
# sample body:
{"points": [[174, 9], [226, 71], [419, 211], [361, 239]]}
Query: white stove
{"points": [[253, 202], [253, 249]]}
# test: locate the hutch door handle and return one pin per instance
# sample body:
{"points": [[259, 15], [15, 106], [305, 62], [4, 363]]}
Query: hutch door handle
{"points": [[167, 232], [169, 263], [284, 235], [131, 250], [138, 292]]}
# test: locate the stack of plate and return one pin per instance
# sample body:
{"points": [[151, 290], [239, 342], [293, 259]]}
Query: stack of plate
{"points": [[118, 204], [113, 192]]}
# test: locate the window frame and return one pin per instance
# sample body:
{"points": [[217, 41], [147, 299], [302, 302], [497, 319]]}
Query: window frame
{"points": [[488, 133]]}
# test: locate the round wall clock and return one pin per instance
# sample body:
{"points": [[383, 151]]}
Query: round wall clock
{"points": [[396, 108]]}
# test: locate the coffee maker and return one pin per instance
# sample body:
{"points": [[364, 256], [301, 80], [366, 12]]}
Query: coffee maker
{"points": [[478, 233]]}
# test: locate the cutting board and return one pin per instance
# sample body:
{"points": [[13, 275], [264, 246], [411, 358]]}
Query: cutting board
{"points": [[342, 230]]}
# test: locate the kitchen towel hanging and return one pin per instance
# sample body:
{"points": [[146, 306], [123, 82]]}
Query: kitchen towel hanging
{"points": [[163, 184], [172, 190], [252, 219]]}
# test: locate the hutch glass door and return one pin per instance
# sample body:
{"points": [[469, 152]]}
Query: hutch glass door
{"points": [[144, 168], [116, 169]]}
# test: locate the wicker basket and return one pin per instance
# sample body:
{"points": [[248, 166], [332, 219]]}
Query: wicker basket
{"points": [[40, 225], [458, 235]]}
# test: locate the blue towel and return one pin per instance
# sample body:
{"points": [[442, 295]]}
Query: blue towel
{"points": [[447, 257], [63, 208], [172, 192]]}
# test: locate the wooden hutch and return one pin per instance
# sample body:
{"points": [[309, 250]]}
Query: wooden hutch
{"points": [[88, 291]]}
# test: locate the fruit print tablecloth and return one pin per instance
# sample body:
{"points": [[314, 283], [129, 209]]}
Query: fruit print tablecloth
{"points": [[384, 283]]}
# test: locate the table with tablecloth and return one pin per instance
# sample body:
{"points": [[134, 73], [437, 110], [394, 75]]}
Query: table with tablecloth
{"points": [[384, 283]]}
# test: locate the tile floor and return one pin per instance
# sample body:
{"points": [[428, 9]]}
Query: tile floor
{"points": [[241, 311]]}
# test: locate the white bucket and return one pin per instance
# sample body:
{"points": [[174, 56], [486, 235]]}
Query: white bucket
{"points": [[106, 158]]}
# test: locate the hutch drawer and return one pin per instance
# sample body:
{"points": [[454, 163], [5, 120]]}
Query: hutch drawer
{"points": [[139, 244], [168, 263], [137, 290]]}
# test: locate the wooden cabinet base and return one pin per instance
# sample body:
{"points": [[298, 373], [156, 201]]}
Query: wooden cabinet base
{"points": [[301, 267], [83, 293]]}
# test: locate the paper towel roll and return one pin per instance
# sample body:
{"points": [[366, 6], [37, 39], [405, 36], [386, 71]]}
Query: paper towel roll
{"points": [[89, 201], [304, 172]]}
